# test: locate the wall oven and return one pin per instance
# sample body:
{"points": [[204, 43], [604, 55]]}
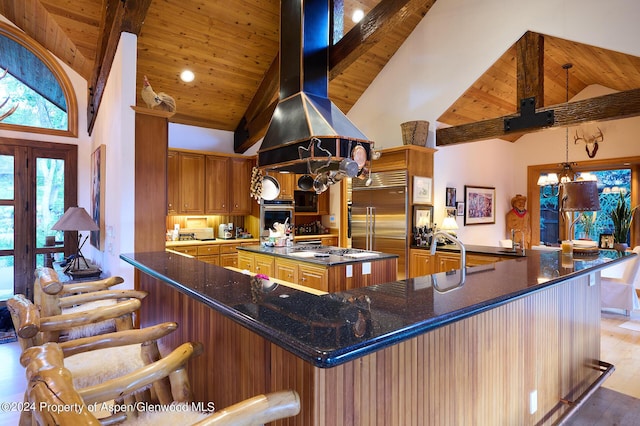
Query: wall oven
{"points": [[275, 211]]}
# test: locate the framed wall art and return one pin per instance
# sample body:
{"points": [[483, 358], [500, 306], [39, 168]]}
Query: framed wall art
{"points": [[479, 205], [450, 197], [422, 190], [98, 179], [422, 216], [460, 208]]}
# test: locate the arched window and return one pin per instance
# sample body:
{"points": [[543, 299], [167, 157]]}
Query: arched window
{"points": [[37, 85]]}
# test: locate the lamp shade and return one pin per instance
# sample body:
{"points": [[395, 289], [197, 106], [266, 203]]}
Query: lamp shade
{"points": [[75, 219], [580, 196], [449, 223]]}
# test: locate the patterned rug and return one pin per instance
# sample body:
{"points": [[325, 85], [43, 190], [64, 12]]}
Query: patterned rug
{"points": [[7, 336]]}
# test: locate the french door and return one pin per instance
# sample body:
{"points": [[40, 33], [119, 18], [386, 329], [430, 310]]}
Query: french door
{"points": [[38, 182]]}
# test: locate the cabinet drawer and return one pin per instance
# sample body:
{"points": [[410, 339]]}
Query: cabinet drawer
{"points": [[208, 250], [191, 250], [228, 248]]}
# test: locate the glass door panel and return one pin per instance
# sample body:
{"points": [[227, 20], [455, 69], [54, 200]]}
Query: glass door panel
{"points": [[7, 181], [49, 200], [6, 277]]}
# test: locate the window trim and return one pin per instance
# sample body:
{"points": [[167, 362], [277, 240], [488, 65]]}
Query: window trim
{"points": [[533, 190], [61, 76]]}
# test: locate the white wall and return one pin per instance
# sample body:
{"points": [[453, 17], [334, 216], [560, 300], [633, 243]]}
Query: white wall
{"points": [[115, 128], [199, 138], [453, 45]]}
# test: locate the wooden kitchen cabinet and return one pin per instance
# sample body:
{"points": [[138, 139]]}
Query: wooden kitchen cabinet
{"points": [[286, 270], [191, 183], [288, 184], [420, 263], [229, 255], [447, 261], [209, 253], [173, 179], [208, 184], [315, 277], [239, 182], [216, 184], [323, 203]]}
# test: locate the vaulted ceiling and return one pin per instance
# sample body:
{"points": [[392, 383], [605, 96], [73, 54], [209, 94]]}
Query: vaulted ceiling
{"points": [[233, 50]]}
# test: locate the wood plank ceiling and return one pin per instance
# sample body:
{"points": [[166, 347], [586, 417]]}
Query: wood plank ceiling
{"points": [[233, 48]]}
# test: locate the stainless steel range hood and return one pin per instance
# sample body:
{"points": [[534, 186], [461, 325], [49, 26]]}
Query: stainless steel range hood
{"points": [[307, 133]]}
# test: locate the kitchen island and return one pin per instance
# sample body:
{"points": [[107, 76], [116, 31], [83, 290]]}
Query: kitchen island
{"points": [[326, 268], [426, 350]]}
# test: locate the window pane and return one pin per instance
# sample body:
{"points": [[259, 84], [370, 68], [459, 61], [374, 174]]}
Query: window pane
{"points": [[6, 277], [7, 227], [589, 225], [6, 177], [49, 198]]}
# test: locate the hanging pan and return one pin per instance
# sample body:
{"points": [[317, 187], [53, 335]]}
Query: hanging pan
{"points": [[270, 188]]}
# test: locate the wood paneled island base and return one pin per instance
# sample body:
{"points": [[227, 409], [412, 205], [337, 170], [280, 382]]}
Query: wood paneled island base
{"points": [[477, 370]]}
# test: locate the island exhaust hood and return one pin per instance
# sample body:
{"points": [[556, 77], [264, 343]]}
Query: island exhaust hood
{"points": [[308, 134]]}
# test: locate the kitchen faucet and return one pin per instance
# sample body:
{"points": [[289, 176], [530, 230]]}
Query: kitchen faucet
{"points": [[513, 240], [463, 256]]}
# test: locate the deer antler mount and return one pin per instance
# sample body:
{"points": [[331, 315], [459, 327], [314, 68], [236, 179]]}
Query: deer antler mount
{"points": [[590, 142]]}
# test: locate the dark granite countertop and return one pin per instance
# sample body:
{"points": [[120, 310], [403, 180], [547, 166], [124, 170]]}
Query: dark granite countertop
{"points": [[320, 255], [331, 329]]}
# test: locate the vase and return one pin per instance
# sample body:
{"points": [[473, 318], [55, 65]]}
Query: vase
{"points": [[620, 246]]}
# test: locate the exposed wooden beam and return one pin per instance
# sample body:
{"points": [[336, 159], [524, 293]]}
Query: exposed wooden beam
{"points": [[379, 22], [119, 16], [371, 29], [530, 67], [602, 108]]}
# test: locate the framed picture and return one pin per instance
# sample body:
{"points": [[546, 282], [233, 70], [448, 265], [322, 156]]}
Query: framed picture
{"points": [[480, 205], [450, 212], [451, 197], [422, 216], [422, 190], [606, 241], [460, 208], [98, 179]]}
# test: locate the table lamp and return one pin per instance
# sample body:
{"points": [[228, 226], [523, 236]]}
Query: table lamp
{"points": [[579, 196], [77, 219], [449, 225]]}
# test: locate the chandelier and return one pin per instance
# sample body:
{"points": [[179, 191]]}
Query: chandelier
{"points": [[551, 182]]}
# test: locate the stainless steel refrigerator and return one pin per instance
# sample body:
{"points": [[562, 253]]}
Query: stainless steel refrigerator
{"points": [[379, 219]]}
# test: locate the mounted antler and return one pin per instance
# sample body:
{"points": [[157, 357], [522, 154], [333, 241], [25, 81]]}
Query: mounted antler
{"points": [[591, 143], [13, 108]]}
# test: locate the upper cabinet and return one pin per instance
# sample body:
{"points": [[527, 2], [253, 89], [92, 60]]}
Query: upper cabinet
{"points": [[208, 184], [288, 184], [191, 183], [217, 184], [240, 180]]}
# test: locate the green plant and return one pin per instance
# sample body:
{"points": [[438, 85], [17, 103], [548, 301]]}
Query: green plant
{"points": [[622, 216]]}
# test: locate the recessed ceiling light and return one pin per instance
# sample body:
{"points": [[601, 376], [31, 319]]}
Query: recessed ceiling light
{"points": [[357, 16], [187, 76]]}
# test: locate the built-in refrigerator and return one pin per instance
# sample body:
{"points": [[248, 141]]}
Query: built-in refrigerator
{"points": [[379, 219]]}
